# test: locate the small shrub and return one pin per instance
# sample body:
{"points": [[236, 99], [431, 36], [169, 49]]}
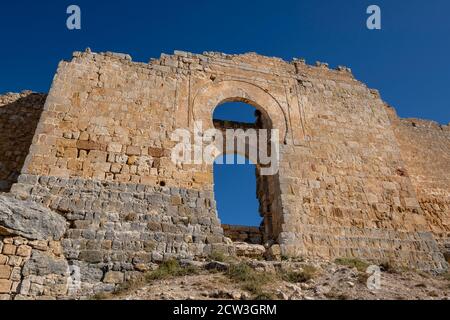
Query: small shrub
{"points": [[170, 269], [387, 266], [251, 280], [129, 285], [242, 272], [353, 263], [306, 274], [217, 256]]}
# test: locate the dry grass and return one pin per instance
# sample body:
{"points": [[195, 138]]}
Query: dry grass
{"points": [[307, 273], [251, 280], [353, 263], [218, 256], [170, 269]]}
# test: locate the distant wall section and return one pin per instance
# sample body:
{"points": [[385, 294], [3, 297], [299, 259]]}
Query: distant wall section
{"points": [[425, 148], [19, 115]]}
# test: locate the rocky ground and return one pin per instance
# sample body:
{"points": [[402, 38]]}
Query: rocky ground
{"points": [[244, 278]]}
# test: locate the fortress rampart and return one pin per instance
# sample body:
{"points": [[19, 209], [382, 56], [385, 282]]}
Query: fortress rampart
{"points": [[354, 180]]}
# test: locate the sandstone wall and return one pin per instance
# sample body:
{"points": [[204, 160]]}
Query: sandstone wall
{"points": [[101, 158], [247, 234], [19, 116], [347, 176], [425, 148], [32, 261], [32, 270]]}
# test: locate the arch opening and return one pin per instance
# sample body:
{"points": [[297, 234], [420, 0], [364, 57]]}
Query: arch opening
{"points": [[246, 200], [238, 206]]}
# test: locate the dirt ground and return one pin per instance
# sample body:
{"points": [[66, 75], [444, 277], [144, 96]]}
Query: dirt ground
{"points": [[287, 281]]}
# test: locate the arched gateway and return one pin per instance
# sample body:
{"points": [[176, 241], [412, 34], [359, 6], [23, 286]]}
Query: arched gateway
{"points": [[349, 183]]}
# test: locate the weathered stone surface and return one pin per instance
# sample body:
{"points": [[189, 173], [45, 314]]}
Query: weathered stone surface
{"points": [[249, 250], [43, 263], [19, 116], [29, 219], [5, 286], [114, 277], [91, 256], [349, 184], [247, 234], [5, 272], [274, 252]]}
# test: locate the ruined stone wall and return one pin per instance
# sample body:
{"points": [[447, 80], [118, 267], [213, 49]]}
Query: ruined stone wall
{"points": [[13, 254], [247, 234], [101, 158], [32, 261], [32, 269], [425, 148], [19, 116]]}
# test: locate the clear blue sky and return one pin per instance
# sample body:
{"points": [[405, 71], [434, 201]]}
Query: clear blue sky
{"points": [[235, 184], [408, 60]]}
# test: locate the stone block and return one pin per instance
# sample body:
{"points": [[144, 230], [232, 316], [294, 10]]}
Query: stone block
{"points": [[116, 168], [71, 153], [5, 297], [5, 272], [91, 256], [97, 156], [5, 286], [15, 261], [16, 274], [24, 251], [411, 203], [133, 151], [114, 277], [88, 145], [39, 245], [9, 249], [114, 147], [156, 152]]}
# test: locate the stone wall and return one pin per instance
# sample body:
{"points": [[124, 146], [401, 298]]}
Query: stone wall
{"points": [[247, 234], [19, 116], [32, 270], [13, 254], [425, 148], [100, 158], [32, 261]]}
